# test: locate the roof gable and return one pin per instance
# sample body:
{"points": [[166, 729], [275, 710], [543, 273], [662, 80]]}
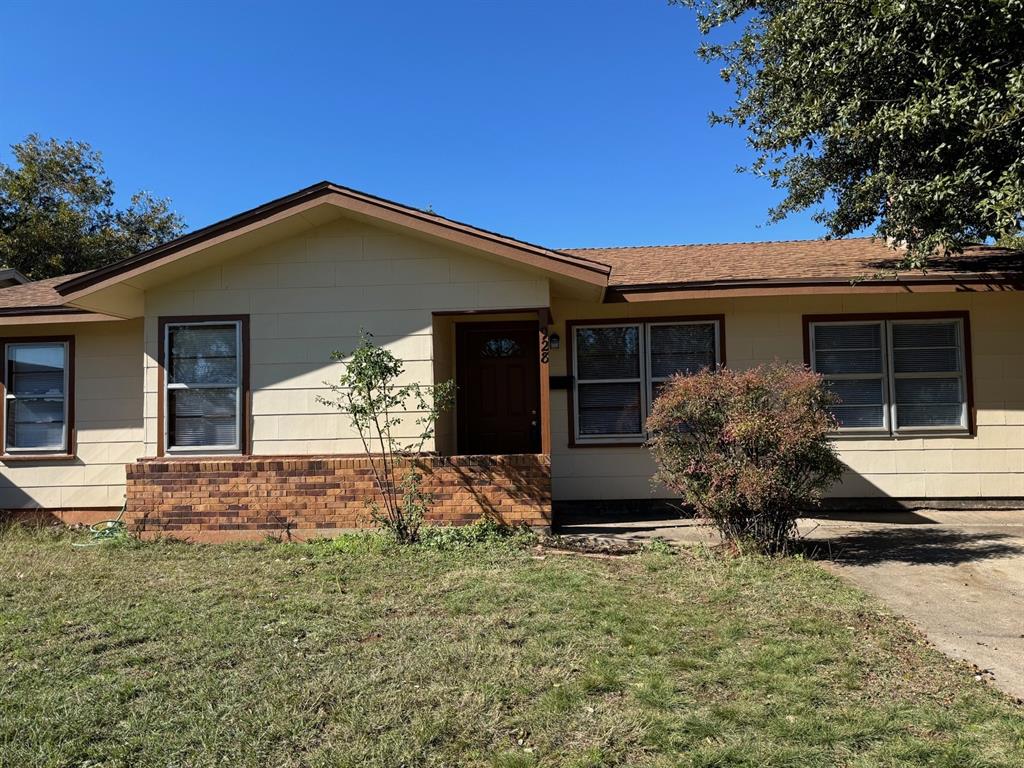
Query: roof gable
{"points": [[627, 273], [368, 207]]}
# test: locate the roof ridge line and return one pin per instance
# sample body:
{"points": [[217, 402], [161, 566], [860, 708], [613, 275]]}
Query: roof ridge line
{"points": [[733, 242]]}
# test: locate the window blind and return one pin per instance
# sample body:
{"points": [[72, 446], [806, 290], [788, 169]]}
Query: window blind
{"points": [[608, 380], [894, 375], [203, 385], [36, 407], [928, 374], [850, 356], [620, 369], [679, 348]]}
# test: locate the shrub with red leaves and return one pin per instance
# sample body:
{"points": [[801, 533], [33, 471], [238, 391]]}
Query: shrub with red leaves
{"points": [[748, 450]]}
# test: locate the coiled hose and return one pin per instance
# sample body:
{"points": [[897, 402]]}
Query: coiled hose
{"points": [[105, 530]]}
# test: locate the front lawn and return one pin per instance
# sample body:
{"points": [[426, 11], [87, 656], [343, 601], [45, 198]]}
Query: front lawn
{"points": [[349, 654]]}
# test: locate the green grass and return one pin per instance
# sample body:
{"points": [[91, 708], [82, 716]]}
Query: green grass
{"points": [[354, 653]]}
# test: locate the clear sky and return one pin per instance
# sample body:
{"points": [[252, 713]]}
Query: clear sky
{"points": [[562, 123]]}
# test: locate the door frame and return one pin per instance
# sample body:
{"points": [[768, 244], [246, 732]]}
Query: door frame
{"points": [[461, 329]]}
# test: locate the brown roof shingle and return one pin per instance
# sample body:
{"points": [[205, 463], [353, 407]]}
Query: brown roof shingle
{"points": [[719, 264], [40, 294], [784, 261]]}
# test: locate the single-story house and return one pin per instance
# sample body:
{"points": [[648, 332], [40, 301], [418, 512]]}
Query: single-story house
{"points": [[186, 378]]}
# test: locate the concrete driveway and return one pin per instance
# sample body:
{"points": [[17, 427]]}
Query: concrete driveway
{"points": [[959, 576]]}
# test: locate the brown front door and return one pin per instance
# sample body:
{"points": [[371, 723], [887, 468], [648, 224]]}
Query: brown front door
{"points": [[498, 377]]}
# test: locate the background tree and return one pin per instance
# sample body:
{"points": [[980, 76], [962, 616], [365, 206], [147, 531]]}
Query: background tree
{"points": [[57, 212], [904, 115]]}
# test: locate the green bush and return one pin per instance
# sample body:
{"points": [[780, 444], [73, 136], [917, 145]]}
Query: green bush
{"points": [[381, 411], [482, 532], [749, 450]]}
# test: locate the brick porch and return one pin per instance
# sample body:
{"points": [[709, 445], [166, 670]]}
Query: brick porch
{"points": [[250, 497]]}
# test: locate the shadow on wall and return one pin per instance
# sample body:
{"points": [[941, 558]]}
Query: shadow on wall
{"points": [[18, 505], [496, 484]]}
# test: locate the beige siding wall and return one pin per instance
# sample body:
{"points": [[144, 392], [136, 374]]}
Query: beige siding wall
{"points": [[108, 420], [760, 329], [310, 295]]}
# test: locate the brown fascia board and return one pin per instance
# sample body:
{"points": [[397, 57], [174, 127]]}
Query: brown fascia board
{"points": [[38, 315], [358, 202], [44, 310], [1014, 280]]}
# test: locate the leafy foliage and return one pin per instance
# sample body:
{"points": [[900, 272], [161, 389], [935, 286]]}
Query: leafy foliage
{"points": [[484, 532], [748, 450], [57, 212], [905, 114], [378, 407]]}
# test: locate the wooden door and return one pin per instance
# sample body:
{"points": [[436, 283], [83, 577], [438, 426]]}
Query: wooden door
{"points": [[498, 379]]}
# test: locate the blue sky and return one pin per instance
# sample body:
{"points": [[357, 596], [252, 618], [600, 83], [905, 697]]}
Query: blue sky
{"points": [[563, 123]]}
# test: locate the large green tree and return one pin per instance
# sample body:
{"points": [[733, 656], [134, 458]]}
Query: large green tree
{"points": [[57, 212], [902, 115]]}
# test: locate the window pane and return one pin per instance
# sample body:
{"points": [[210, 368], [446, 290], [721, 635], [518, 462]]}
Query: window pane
{"points": [[203, 354], [925, 334], [36, 369], [848, 336], [35, 424], [850, 361], [608, 353], [201, 417], [609, 409], [204, 371], [928, 416], [929, 402], [925, 348], [858, 391], [851, 416], [682, 348], [848, 348], [501, 347], [35, 388], [861, 402]]}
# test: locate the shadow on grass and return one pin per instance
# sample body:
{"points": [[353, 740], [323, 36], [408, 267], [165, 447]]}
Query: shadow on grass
{"points": [[931, 547]]}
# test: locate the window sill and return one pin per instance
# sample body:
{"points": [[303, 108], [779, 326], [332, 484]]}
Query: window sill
{"points": [[624, 443], [899, 435], [10, 458], [178, 453]]}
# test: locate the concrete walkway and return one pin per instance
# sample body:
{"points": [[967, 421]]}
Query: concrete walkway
{"points": [[959, 576]]}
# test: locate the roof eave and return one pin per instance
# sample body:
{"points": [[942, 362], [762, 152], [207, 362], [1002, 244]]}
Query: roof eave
{"points": [[782, 286]]}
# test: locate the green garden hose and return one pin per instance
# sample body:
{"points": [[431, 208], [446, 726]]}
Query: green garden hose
{"points": [[105, 530]]}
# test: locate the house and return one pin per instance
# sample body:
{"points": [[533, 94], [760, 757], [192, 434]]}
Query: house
{"points": [[186, 377]]}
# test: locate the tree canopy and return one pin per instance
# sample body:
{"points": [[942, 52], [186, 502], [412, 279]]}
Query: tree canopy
{"points": [[903, 115], [57, 212]]}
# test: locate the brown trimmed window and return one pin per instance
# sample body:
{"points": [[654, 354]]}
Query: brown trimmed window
{"points": [[894, 376], [38, 396], [619, 368], [203, 386]]}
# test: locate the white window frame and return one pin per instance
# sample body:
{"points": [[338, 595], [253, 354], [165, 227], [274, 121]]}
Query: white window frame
{"points": [[640, 380], [169, 387], [890, 420], [646, 379], [883, 377], [651, 378], [958, 323], [9, 397]]}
